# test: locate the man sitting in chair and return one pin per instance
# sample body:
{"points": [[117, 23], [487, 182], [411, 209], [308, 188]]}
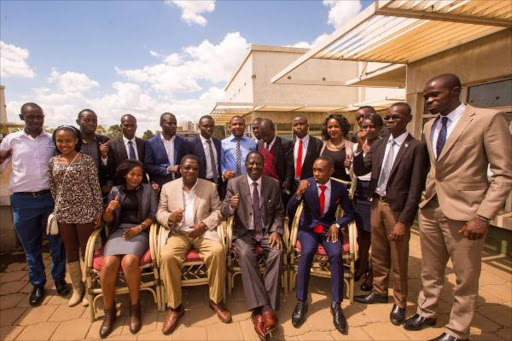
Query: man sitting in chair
{"points": [[190, 209], [256, 203], [318, 225]]}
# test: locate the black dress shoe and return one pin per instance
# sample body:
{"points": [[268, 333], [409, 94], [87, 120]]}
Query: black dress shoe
{"points": [[299, 313], [447, 337], [62, 287], [397, 315], [339, 319], [418, 322], [371, 298], [366, 287], [37, 296]]}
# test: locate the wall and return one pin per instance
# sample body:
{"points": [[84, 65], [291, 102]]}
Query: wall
{"points": [[241, 87]]}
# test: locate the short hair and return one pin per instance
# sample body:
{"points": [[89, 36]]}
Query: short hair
{"points": [[257, 119], [126, 167], [189, 157], [85, 110], [301, 116], [74, 131], [375, 119], [342, 121], [206, 117], [29, 104], [367, 107], [166, 114], [238, 117], [128, 116], [268, 121], [253, 152], [451, 80], [327, 159], [404, 105]]}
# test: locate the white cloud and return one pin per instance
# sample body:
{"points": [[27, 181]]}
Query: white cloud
{"points": [[13, 62], [307, 45], [71, 82], [342, 11], [191, 10]]}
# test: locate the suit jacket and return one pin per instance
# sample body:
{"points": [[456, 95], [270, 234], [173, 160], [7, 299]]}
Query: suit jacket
{"points": [[282, 150], [312, 217], [272, 208], [206, 206], [156, 160], [312, 153], [407, 178], [459, 175], [196, 148], [117, 154]]}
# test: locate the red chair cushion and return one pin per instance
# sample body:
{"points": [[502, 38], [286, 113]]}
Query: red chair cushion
{"points": [[98, 259], [192, 256], [321, 250]]}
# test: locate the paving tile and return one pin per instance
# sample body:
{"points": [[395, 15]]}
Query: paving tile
{"points": [[12, 276], [58, 300], [191, 333], [315, 336], [10, 333], [320, 320], [65, 313], [287, 329], [230, 331], [24, 302], [504, 291], [10, 301], [248, 332], [201, 316], [385, 331], [71, 330], [484, 324], [487, 278], [155, 335], [28, 288], [378, 312], [238, 311], [499, 314], [123, 337], [11, 316], [354, 333], [36, 315], [355, 315], [487, 337], [15, 267], [505, 333], [40, 331], [11, 287]]}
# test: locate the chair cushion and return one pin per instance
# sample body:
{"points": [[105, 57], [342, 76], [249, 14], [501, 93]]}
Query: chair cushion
{"points": [[192, 256], [321, 250], [98, 259]]}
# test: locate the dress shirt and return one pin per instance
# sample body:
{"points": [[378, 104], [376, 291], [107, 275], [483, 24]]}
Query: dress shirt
{"points": [[305, 142], [453, 118], [327, 194], [30, 157], [134, 144], [396, 147], [269, 147], [251, 188], [169, 148], [188, 215], [228, 152], [367, 176], [209, 166]]}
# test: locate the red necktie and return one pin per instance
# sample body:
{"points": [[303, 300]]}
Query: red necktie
{"points": [[321, 199], [299, 161]]}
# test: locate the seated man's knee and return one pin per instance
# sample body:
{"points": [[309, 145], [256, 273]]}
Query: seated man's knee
{"points": [[275, 253], [217, 250]]}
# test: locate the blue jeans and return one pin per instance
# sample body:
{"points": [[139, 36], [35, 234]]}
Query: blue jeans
{"points": [[30, 216]]}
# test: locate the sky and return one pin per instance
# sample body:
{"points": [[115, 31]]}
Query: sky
{"points": [[144, 57]]}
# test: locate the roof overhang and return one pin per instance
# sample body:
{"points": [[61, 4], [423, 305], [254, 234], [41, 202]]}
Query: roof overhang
{"points": [[404, 31], [389, 76]]}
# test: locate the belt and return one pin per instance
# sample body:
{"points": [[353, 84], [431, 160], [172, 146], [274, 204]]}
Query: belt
{"points": [[34, 194], [379, 197]]}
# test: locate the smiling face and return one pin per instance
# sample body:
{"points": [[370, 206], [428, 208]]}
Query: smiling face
{"points": [[65, 141], [237, 126], [134, 177], [334, 129], [189, 171], [34, 119], [88, 122], [254, 166]]}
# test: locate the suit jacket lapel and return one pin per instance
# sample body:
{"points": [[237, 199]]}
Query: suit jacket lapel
{"points": [[162, 151], [197, 198], [428, 138], [122, 148], [313, 188], [177, 146], [457, 131], [401, 152], [140, 148], [380, 152]]}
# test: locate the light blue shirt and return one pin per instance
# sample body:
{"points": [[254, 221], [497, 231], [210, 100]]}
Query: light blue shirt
{"points": [[228, 152]]}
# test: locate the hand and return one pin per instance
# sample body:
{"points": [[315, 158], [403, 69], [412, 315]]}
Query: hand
{"points": [[303, 186], [398, 232], [131, 232], [332, 234], [5, 154], [97, 222], [235, 200], [361, 139], [198, 230], [114, 204], [474, 229], [176, 216], [155, 186], [275, 240], [104, 150], [348, 162], [106, 189], [173, 169], [229, 175]]}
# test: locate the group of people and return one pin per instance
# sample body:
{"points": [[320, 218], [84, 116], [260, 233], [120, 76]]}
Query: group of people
{"points": [[189, 186]]}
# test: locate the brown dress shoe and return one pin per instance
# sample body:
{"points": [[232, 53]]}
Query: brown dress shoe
{"points": [[270, 321], [172, 319], [259, 326], [221, 310], [135, 322], [108, 321]]}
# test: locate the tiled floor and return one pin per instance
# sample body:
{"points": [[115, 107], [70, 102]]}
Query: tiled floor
{"points": [[55, 321]]}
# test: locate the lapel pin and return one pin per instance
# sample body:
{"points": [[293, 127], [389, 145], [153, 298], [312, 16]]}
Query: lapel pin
{"points": [[406, 145]]}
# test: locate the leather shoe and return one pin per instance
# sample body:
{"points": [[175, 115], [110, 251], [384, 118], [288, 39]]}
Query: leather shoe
{"points": [[447, 337], [108, 321], [397, 315], [270, 321], [37, 296], [371, 298], [135, 321], [222, 312], [62, 287], [172, 319], [340, 322], [259, 326], [366, 287], [418, 322], [299, 314]]}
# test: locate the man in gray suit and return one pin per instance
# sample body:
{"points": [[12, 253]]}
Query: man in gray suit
{"points": [[255, 201]]}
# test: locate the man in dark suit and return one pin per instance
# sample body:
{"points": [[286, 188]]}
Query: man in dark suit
{"points": [[276, 156], [164, 152], [126, 147], [207, 149], [255, 201], [399, 165], [318, 225]]}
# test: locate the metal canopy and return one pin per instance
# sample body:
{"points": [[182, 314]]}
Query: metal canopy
{"points": [[404, 31], [390, 76]]}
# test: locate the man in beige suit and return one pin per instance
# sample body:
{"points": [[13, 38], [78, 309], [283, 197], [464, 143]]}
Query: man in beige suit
{"points": [[190, 209], [459, 201]]}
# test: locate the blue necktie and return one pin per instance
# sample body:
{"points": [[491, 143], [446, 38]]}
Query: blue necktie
{"points": [[131, 150], [441, 139]]}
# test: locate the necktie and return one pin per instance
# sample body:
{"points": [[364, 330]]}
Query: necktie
{"points": [[441, 139], [238, 158], [321, 200], [212, 162], [386, 168], [258, 228], [299, 161], [131, 150]]}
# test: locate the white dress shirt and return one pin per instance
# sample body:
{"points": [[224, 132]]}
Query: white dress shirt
{"points": [[381, 190], [29, 159], [188, 215], [305, 142], [251, 188], [327, 194], [209, 166], [134, 144], [453, 118]]}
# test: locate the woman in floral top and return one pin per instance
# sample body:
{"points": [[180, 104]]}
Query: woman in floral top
{"points": [[78, 203]]}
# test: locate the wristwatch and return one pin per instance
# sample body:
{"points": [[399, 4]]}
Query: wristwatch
{"points": [[484, 219]]}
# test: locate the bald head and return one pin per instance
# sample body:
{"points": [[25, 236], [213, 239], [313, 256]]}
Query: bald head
{"points": [[448, 80], [267, 130], [442, 93]]}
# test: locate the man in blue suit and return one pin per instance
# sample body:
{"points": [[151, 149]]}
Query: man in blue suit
{"points": [[164, 152], [318, 225]]}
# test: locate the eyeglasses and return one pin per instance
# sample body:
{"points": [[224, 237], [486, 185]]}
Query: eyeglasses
{"points": [[393, 117]]}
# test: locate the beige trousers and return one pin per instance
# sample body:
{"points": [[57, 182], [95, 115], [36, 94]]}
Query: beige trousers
{"points": [[440, 240], [173, 256]]}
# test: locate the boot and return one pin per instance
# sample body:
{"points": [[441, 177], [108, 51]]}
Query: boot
{"points": [[75, 272], [135, 322], [108, 321]]}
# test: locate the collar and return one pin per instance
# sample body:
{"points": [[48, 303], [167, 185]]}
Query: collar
{"points": [[41, 134], [400, 139], [233, 138], [269, 146], [192, 189], [327, 184], [125, 140], [304, 140], [250, 181], [203, 140], [456, 113], [171, 140]]}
